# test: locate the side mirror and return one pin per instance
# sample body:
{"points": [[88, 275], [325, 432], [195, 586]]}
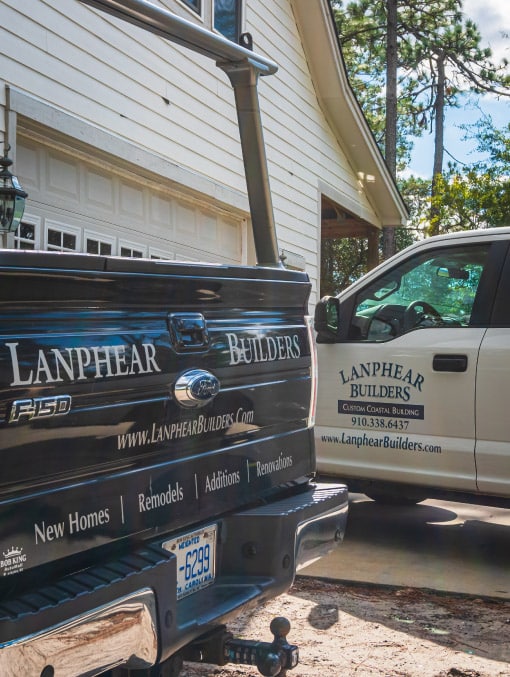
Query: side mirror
{"points": [[327, 319]]}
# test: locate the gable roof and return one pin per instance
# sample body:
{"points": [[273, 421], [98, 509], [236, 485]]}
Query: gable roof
{"points": [[318, 32]]}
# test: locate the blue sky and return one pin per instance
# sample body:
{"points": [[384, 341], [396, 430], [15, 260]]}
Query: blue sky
{"points": [[493, 20]]}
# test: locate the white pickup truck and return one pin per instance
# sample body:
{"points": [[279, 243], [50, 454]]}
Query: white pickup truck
{"points": [[414, 374]]}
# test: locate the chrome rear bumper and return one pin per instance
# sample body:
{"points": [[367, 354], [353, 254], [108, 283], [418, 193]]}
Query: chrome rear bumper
{"points": [[125, 612], [122, 632]]}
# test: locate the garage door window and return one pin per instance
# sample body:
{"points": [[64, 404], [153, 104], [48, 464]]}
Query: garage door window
{"points": [[95, 244], [62, 238], [132, 251], [25, 236]]}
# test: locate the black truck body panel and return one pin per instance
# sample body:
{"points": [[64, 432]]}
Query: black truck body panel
{"points": [[104, 463], [156, 436], [108, 347]]}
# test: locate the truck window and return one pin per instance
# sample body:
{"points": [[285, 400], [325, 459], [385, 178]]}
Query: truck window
{"points": [[433, 289]]}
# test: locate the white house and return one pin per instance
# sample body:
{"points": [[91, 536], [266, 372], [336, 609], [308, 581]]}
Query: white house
{"points": [[128, 144]]}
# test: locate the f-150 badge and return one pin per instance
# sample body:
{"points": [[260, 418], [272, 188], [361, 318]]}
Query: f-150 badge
{"points": [[39, 407]]}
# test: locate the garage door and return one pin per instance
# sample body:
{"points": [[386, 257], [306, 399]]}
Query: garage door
{"points": [[78, 203]]}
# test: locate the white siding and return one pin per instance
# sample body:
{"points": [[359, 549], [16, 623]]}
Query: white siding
{"points": [[301, 146], [179, 106], [119, 77]]}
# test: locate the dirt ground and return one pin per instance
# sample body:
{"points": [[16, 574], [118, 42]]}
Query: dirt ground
{"points": [[364, 631]]}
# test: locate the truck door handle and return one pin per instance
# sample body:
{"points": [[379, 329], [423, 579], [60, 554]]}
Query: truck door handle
{"points": [[450, 363]]}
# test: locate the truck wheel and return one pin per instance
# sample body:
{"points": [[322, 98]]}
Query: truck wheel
{"points": [[170, 668], [386, 498]]}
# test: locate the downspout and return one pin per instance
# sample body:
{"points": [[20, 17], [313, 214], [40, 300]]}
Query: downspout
{"points": [[243, 68], [243, 78]]}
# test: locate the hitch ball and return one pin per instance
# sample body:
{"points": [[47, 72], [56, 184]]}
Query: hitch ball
{"points": [[271, 658]]}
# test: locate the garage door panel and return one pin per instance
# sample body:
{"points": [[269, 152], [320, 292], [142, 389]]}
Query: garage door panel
{"points": [[231, 243], [28, 168], [101, 198], [131, 202], [99, 190], [62, 179], [185, 224], [161, 213]]}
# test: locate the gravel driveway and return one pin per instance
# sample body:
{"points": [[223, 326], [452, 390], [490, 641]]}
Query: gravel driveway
{"points": [[364, 631]]}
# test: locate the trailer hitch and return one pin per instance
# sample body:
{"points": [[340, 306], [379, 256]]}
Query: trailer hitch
{"points": [[220, 647]]}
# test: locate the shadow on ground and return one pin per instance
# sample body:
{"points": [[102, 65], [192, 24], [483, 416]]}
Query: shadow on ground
{"points": [[471, 625], [427, 529]]}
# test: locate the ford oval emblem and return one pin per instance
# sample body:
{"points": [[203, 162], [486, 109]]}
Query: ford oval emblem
{"points": [[196, 388]]}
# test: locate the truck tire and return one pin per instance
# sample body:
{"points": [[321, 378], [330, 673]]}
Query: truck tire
{"points": [[170, 668]]}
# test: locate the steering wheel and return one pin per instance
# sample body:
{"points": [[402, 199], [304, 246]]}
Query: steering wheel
{"points": [[416, 312]]}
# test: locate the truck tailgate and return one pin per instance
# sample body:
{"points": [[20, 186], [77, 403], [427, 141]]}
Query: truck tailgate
{"points": [[136, 396]]}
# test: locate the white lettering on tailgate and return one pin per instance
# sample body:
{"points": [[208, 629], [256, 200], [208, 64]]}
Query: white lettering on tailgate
{"points": [[79, 363], [148, 502], [249, 350], [200, 425]]}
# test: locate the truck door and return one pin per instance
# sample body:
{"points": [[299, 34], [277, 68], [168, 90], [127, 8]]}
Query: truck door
{"points": [[397, 386], [493, 396]]}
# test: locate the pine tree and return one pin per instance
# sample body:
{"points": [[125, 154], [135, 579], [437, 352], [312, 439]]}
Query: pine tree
{"points": [[424, 55]]}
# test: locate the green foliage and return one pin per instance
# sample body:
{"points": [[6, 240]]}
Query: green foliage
{"points": [[478, 195], [422, 25], [416, 193], [428, 33], [343, 261], [432, 35]]}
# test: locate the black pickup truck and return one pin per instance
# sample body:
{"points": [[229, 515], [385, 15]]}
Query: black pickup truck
{"points": [[156, 435]]}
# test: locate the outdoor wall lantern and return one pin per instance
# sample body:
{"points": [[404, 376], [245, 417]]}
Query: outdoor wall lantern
{"points": [[12, 198]]}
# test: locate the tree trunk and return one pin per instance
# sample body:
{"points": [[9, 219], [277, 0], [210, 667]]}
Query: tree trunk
{"points": [[438, 143], [390, 137]]}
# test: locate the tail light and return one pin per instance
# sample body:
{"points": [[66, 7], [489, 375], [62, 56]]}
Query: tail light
{"points": [[313, 371]]}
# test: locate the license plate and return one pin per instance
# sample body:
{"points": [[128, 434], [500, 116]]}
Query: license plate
{"points": [[196, 559]]}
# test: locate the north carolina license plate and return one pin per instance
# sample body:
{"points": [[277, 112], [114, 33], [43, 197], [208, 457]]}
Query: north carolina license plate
{"points": [[196, 558]]}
